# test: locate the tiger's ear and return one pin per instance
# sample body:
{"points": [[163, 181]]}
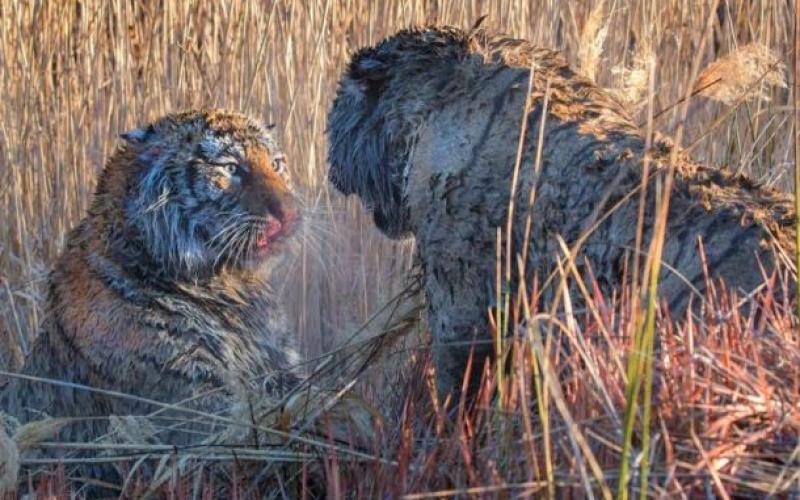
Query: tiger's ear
{"points": [[137, 135], [139, 138], [370, 71], [369, 66]]}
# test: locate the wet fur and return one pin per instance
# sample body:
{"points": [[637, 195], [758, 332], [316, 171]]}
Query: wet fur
{"points": [[425, 129], [157, 293]]}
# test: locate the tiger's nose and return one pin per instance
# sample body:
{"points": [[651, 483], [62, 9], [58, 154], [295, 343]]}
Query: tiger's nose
{"points": [[273, 227], [287, 217], [283, 207]]}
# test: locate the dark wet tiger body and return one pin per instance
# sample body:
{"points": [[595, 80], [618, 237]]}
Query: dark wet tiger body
{"points": [[162, 291], [425, 129]]}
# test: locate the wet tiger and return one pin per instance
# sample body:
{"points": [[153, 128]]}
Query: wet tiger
{"points": [[162, 291], [425, 129]]}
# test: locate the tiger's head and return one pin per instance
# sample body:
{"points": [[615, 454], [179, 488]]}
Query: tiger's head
{"points": [[201, 191]]}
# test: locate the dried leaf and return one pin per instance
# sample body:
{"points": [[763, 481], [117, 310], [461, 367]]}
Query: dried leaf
{"points": [[9, 463], [593, 36], [737, 75], [33, 433]]}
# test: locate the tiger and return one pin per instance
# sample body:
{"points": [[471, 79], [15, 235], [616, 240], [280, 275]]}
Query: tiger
{"points": [[162, 293], [428, 128]]}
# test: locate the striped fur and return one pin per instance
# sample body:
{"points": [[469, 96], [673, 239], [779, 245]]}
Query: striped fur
{"points": [[162, 290], [425, 128]]}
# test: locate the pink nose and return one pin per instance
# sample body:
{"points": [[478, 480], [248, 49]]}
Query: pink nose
{"points": [[274, 227], [289, 215]]}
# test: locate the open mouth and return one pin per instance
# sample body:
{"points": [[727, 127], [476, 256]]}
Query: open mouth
{"points": [[271, 234]]}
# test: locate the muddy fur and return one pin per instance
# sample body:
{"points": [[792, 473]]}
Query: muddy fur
{"points": [[425, 128]]}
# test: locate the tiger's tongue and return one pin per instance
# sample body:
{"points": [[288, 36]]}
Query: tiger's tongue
{"points": [[273, 228]]}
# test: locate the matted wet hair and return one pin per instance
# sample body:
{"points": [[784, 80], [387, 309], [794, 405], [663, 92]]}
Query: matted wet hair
{"points": [[184, 201], [372, 120]]}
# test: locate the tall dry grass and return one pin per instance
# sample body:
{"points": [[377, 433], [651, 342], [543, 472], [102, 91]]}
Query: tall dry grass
{"points": [[74, 75]]}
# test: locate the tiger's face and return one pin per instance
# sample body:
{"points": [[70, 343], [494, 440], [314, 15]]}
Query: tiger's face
{"points": [[211, 191]]}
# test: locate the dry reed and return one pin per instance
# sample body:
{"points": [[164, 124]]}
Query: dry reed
{"points": [[74, 75]]}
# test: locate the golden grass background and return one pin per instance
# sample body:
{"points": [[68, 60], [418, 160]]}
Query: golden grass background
{"points": [[73, 75]]}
